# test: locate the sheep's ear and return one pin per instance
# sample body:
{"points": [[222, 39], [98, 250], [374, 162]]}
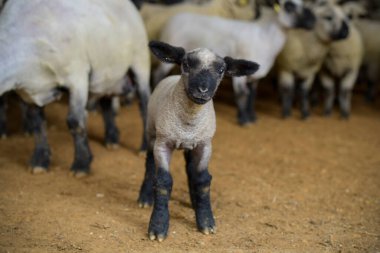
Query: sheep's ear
{"points": [[240, 67], [167, 53]]}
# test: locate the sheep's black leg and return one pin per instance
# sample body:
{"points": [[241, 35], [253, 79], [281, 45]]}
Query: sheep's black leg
{"points": [[252, 87], [41, 156], [345, 103], [200, 182], [146, 190], [163, 182], [287, 101], [27, 121], [111, 135], [76, 121], [190, 170], [241, 97], [370, 92], [3, 117], [305, 107]]}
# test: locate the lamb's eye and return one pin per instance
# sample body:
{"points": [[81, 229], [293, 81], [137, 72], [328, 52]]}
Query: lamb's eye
{"points": [[185, 66], [328, 18]]}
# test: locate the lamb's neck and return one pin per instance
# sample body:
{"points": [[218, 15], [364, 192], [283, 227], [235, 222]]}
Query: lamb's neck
{"points": [[185, 108]]}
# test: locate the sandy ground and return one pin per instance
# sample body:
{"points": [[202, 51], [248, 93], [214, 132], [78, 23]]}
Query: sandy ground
{"points": [[278, 186]]}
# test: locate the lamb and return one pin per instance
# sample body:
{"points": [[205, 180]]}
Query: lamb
{"points": [[156, 16], [261, 40], [343, 64], [181, 116], [304, 53], [368, 30], [97, 44]]}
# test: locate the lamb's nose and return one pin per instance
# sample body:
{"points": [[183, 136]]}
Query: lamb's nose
{"points": [[203, 89]]}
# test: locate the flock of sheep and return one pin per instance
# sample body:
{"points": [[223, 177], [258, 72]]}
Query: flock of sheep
{"points": [[99, 50]]}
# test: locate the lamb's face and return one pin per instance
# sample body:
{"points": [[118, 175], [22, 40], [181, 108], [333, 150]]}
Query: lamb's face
{"points": [[202, 70], [293, 14], [332, 23]]}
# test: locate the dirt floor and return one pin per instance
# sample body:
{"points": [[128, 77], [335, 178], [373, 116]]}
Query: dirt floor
{"points": [[278, 186]]}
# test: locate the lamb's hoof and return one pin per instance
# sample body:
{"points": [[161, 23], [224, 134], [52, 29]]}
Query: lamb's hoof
{"points": [[112, 146], [158, 237], [38, 170], [79, 174], [327, 113], [144, 204], [209, 230], [345, 115], [305, 115], [286, 115]]}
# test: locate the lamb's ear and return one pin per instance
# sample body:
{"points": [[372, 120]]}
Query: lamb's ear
{"points": [[167, 53], [240, 67]]}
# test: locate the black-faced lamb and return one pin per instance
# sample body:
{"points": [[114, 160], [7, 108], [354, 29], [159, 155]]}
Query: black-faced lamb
{"points": [[181, 116], [86, 47]]}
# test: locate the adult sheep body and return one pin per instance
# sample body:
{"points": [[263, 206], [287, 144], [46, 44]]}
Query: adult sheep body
{"points": [[261, 40], [84, 46]]}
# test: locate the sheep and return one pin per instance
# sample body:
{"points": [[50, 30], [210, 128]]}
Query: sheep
{"points": [[368, 30], [261, 40], [86, 47], [181, 115], [304, 53], [155, 16]]}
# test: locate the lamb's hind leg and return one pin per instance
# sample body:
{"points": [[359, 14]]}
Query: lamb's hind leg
{"points": [[252, 87], [200, 182], [41, 156], [76, 121], [111, 135], [242, 93]]}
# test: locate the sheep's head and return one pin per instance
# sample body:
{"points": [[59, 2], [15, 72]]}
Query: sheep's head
{"points": [[353, 10], [293, 14], [332, 23], [202, 70]]}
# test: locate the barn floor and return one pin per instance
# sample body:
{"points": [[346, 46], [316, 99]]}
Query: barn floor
{"points": [[278, 186]]}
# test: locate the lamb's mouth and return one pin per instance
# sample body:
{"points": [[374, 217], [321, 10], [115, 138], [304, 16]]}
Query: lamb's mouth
{"points": [[200, 100]]}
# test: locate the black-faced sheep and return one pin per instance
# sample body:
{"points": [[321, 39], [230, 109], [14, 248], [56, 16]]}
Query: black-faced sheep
{"points": [[181, 116]]}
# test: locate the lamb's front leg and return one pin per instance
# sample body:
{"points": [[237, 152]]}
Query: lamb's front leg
{"points": [[305, 90], [200, 183], [76, 121], [159, 220]]}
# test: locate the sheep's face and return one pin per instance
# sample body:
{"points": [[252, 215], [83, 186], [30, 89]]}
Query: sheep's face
{"points": [[293, 14], [202, 70], [332, 23], [354, 10]]}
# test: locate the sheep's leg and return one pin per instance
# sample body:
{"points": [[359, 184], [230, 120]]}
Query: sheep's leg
{"points": [[287, 92], [41, 156], [159, 220], [372, 76], [141, 76], [329, 86], [252, 87], [242, 93], [161, 72], [146, 190], [190, 176], [111, 135], [76, 121], [345, 93], [305, 90], [3, 117], [27, 121], [200, 184]]}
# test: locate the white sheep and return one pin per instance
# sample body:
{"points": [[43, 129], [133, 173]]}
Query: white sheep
{"points": [[85, 46], [156, 16], [304, 53], [181, 115], [342, 63], [261, 40]]}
